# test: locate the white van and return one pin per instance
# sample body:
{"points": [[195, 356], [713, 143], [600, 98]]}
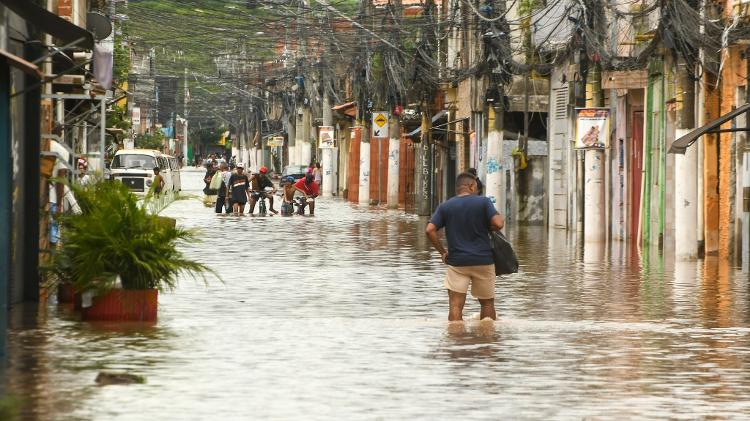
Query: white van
{"points": [[135, 169]]}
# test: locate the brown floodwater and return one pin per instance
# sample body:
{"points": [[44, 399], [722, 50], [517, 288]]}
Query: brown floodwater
{"points": [[343, 316]]}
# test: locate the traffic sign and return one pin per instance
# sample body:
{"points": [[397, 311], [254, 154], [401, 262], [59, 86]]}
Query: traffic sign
{"points": [[379, 124]]}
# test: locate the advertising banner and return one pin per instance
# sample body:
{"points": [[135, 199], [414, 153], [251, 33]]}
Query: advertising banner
{"points": [[326, 139], [136, 116], [592, 128]]}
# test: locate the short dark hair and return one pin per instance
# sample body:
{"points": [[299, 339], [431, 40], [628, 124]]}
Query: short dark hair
{"points": [[157, 168], [465, 179], [308, 179]]}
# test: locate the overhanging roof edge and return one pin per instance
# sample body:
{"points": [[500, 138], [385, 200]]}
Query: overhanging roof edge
{"points": [[680, 145], [50, 23]]}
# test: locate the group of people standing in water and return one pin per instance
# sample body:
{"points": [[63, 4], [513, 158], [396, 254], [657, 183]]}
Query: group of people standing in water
{"points": [[231, 190]]}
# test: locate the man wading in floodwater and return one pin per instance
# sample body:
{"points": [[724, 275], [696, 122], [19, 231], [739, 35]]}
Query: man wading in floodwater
{"points": [[467, 219]]}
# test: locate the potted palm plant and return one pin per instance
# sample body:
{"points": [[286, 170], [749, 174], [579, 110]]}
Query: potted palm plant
{"points": [[117, 252]]}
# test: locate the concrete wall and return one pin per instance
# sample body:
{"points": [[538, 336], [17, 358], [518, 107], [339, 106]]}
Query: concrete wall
{"points": [[526, 197], [560, 136], [530, 190]]}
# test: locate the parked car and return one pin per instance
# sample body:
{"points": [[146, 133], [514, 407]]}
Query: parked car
{"points": [[134, 168], [296, 171]]}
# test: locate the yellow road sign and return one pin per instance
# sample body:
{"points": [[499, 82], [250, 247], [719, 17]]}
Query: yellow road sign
{"points": [[380, 120], [379, 124]]}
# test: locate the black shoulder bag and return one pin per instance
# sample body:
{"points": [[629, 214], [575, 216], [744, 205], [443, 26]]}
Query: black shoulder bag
{"points": [[505, 258]]}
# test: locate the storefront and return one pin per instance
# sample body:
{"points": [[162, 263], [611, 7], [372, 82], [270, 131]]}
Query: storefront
{"points": [[21, 85]]}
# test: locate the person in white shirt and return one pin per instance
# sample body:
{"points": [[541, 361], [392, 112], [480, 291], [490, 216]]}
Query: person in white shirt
{"points": [[224, 199], [83, 178]]}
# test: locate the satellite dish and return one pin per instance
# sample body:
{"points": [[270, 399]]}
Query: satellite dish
{"points": [[99, 25]]}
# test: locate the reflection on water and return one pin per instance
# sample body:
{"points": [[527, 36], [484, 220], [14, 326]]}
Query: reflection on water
{"points": [[343, 316]]}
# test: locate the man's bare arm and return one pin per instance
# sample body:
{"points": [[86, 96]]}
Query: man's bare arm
{"points": [[301, 191], [432, 234], [497, 223]]}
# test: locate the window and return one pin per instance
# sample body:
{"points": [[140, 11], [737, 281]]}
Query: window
{"points": [[561, 103], [132, 161]]}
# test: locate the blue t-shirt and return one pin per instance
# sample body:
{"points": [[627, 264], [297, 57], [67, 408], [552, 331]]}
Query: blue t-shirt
{"points": [[467, 224]]}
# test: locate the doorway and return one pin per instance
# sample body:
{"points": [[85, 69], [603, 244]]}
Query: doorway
{"points": [[636, 174]]}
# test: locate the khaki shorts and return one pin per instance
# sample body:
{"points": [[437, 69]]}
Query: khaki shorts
{"points": [[481, 278]]}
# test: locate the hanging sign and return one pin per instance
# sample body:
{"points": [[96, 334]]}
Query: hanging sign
{"points": [[379, 124], [275, 142], [326, 137], [592, 128]]}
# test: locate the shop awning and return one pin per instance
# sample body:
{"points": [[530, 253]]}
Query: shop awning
{"points": [[50, 23], [435, 118], [680, 145], [350, 109], [344, 106]]}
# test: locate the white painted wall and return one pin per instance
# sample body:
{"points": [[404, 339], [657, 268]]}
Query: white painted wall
{"points": [[364, 173], [394, 150]]}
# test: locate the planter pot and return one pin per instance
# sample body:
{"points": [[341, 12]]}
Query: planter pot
{"points": [[66, 294], [122, 305]]}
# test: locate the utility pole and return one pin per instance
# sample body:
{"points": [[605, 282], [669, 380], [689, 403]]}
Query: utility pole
{"points": [[423, 179], [327, 152], [185, 113], [330, 154], [299, 133], [462, 146], [394, 151], [262, 150], [493, 163], [745, 147], [686, 167], [291, 140], [296, 145], [394, 135], [363, 111], [594, 163], [364, 165], [306, 145], [494, 186]]}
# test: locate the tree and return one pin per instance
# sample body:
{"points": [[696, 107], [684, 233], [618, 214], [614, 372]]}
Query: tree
{"points": [[209, 135], [121, 65], [150, 140]]}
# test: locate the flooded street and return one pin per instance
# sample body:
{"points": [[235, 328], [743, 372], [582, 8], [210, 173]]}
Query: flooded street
{"points": [[344, 316]]}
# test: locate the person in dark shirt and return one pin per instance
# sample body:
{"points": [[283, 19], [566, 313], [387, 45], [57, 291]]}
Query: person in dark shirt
{"points": [[467, 219], [210, 171], [239, 185], [480, 186], [260, 182]]}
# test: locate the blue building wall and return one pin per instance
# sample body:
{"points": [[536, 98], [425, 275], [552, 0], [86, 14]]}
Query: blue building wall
{"points": [[6, 186]]}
